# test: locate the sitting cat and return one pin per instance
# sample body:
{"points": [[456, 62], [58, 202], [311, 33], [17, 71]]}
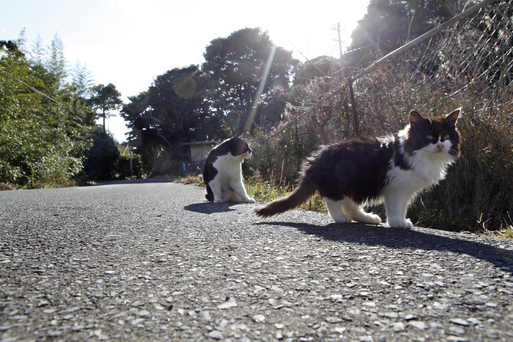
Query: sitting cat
{"points": [[361, 171], [222, 172]]}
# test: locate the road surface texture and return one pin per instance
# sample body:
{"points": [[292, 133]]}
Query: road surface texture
{"points": [[155, 262]]}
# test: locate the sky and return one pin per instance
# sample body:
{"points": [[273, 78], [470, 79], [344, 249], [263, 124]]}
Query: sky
{"points": [[130, 42]]}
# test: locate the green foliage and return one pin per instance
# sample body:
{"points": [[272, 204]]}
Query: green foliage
{"points": [[389, 24], [82, 80], [173, 111], [235, 68], [43, 123], [122, 168], [101, 158], [318, 67], [211, 103], [103, 99]]}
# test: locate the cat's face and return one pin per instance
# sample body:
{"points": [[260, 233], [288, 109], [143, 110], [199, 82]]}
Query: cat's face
{"points": [[436, 137], [239, 146]]}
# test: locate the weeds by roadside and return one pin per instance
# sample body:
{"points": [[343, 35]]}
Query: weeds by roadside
{"points": [[191, 180], [503, 232], [262, 191], [6, 186]]}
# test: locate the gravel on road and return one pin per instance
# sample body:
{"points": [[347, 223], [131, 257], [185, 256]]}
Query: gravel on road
{"points": [[155, 261]]}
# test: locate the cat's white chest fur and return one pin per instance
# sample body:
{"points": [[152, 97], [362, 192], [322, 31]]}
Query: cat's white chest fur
{"points": [[428, 167], [227, 184], [228, 168]]}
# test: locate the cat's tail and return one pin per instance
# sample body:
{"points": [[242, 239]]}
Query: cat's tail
{"points": [[293, 200]]}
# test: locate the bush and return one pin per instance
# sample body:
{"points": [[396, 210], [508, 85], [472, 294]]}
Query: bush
{"points": [[122, 168], [100, 159]]}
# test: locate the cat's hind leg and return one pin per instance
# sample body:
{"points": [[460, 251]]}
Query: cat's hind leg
{"points": [[234, 198], [355, 212], [335, 211], [238, 187], [217, 191]]}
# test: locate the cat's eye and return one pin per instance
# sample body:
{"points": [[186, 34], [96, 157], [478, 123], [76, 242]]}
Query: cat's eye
{"points": [[447, 137], [430, 137]]}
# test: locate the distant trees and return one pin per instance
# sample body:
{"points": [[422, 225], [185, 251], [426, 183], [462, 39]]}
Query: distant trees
{"points": [[235, 68], [47, 125], [318, 67], [104, 99], [172, 111], [100, 160], [211, 102], [44, 117], [389, 24], [82, 80], [42, 138]]}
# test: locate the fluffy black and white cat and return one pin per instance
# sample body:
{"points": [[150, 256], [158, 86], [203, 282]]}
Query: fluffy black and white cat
{"points": [[362, 171], [222, 172]]}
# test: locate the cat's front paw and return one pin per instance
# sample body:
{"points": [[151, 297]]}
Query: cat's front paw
{"points": [[249, 200], [340, 218], [218, 200], [368, 218], [400, 223]]}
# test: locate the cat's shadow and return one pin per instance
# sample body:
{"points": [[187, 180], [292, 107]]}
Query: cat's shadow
{"points": [[407, 238], [210, 208]]}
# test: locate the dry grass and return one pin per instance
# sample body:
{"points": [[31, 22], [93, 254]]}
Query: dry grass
{"points": [[191, 180], [6, 187], [435, 78], [265, 192]]}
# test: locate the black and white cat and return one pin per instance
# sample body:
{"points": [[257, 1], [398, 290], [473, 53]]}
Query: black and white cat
{"points": [[390, 169], [222, 172]]}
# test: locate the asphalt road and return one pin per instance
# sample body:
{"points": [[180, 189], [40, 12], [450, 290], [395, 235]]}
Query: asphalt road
{"points": [[156, 262]]}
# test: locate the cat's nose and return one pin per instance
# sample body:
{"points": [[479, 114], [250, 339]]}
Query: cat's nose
{"points": [[440, 146]]}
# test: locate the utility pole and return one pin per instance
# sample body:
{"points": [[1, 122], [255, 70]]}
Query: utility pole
{"points": [[349, 84], [341, 55], [131, 167]]}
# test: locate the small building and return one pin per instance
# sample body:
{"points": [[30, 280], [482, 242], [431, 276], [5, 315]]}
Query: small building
{"points": [[199, 150]]}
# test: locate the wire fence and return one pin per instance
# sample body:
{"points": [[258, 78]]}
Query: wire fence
{"points": [[467, 64]]}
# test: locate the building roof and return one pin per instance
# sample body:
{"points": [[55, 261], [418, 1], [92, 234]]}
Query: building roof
{"points": [[207, 142]]}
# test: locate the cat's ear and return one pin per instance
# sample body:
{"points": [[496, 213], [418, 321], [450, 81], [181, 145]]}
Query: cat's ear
{"points": [[237, 136], [453, 117], [415, 117]]}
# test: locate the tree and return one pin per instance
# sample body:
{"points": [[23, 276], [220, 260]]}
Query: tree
{"points": [[38, 50], [318, 67], [190, 104], [235, 69], [82, 80], [56, 63], [105, 99], [101, 158], [171, 112], [389, 24], [40, 142]]}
